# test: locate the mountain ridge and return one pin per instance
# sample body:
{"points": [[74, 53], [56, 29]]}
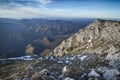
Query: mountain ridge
{"points": [[102, 38]]}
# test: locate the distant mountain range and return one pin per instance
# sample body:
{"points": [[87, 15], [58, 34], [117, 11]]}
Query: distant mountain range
{"points": [[15, 35]]}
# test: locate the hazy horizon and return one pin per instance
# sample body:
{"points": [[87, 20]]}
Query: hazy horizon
{"points": [[27, 9]]}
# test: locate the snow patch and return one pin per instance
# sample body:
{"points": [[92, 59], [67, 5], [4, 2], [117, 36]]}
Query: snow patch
{"points": [[21, 58], [93, 73], [68, 78], [67, 62], [60, 62], [83, 57]]}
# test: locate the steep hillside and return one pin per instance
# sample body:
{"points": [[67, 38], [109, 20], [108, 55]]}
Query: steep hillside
{"points": [[97, 37], [102, 37]]}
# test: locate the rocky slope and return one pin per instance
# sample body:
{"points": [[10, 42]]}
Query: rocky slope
{"points": [[97, 37], [77, 67], [102, 37]]}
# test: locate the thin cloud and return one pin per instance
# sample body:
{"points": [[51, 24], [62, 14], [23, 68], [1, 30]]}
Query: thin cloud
{"points": [[24, 12], [25, 2], [52, 8], [44, 2]]}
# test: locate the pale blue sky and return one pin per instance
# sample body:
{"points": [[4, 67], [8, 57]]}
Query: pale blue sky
{"points": [[60, 8]]}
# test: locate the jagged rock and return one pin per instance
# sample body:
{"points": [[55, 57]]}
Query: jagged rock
{"points": [[43, 75], [97, 37], [45, 71], [30, 68], [112, 74], [68, 78], [31, 71], [84, 76], [93, 73], [68, 71], [114, 57]]}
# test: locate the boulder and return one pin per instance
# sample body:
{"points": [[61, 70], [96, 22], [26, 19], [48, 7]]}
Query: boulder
{"points": [[68, 71], [43, 75], [93, 73], [68, 78], [112, 74]]}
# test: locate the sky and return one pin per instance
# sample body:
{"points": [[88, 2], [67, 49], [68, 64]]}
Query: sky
{"points": [[25, 9]]}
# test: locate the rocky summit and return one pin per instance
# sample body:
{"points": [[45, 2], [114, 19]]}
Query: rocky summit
{"points": [[102, 37]]}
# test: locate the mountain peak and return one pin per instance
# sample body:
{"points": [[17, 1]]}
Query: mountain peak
{"points": [[100, 20], [97, 37]]}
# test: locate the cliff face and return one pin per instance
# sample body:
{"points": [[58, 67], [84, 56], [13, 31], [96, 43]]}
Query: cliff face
{"points": [[100, 37]]}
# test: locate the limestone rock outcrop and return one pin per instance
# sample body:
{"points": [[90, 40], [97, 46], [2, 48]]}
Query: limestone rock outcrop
{"points": [[101, 36]]}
